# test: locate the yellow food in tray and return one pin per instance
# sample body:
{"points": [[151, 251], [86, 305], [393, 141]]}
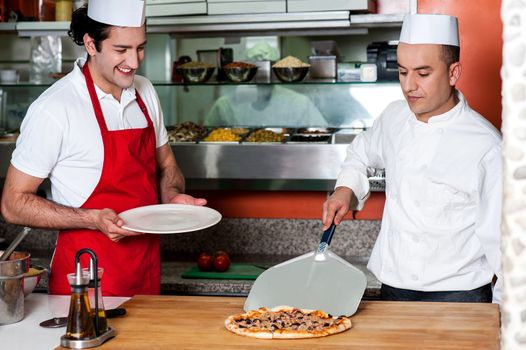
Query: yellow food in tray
{"points": [[240, 131], [263, 135], [222, 135]]}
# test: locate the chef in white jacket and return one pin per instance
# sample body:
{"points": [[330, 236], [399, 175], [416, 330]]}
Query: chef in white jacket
{"points": [[440, 234]]}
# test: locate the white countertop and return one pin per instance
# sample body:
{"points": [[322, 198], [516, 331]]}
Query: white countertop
{"points": [[27, 334]]}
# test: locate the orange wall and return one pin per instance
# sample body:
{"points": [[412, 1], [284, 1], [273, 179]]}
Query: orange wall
{"points": [[480, 29], [281, 204], [481, 58]]}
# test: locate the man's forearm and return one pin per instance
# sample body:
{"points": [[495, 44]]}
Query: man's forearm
{"points": [[171, 183], [169, 176], [31, 210]]}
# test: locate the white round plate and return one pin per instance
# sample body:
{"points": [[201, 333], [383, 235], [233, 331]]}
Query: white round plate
{"points": [[169, 218]]}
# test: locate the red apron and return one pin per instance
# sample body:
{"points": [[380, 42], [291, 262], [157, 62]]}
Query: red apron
{"points": [[128, 180]]}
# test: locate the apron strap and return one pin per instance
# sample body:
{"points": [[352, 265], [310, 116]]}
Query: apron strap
{"points": [[96, 104], [94, 99], [143, 108]]}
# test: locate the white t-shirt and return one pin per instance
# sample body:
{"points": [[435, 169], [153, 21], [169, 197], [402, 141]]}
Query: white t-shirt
{"points": [[441, 223], [60, 137]]}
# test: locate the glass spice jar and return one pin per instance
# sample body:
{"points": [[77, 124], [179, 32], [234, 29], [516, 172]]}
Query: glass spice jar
{"points": [[3, 11], [46, 10], [63, 10]]}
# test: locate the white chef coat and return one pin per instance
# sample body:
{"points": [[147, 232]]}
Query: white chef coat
{"points": [[441, 222], [284, 108], [60, 137]]}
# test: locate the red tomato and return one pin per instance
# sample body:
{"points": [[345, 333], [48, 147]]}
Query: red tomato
{"points": [[221, 252], [205, 262], [221, 262]]}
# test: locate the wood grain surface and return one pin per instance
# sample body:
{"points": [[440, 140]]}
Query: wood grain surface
{"points": [[191, 322]]}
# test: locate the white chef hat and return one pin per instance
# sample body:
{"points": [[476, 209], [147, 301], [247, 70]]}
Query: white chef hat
{"points": [[122, 13], [430, 29]]}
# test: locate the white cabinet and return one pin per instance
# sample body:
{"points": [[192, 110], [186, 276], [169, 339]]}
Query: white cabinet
{"points": [[332, 5], [158, 8], [224, 7]]}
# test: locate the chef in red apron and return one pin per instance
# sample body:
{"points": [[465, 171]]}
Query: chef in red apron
{"points": [[98, 135]]}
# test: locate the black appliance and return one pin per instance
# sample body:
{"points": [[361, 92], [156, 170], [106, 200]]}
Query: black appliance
{"points": [[383, 55]]}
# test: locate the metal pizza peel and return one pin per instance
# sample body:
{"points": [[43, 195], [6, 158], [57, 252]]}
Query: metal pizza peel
{"points": [[319, 280]]}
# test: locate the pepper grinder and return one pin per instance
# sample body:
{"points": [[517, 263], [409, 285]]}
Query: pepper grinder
{"points": [[86, 328]]}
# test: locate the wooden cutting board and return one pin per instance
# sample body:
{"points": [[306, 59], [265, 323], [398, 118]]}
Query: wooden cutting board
{"points": [[191, 322]]}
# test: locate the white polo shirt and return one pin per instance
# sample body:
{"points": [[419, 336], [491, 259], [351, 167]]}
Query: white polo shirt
{"points": [[61, 139]]}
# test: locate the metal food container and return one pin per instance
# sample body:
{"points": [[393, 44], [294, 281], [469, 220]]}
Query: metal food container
{"points": [[224, 135], [345, 136], [312, 135], [12, 287], [322, 66], [310, 138], [217, 58], [263, 72], [266, 135], [185, 132]]}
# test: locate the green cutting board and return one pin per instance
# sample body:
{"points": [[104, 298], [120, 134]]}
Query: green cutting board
{"points": [[235, 272]]}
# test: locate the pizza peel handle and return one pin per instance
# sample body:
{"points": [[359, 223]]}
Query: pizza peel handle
{"points": [[318, 280]]}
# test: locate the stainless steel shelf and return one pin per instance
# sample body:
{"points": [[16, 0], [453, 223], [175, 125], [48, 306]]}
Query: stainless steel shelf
{"points": [[293, 167], [376, 20], [42, 28], [8, 27]]}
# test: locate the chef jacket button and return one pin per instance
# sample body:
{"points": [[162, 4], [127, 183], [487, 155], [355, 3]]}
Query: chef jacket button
{"points": [[414, 277], [416, 239], [423, 167], [417, 203], [440, 131]]}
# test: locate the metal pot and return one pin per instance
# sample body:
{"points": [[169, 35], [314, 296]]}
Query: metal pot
{"points": [[12, 287]]}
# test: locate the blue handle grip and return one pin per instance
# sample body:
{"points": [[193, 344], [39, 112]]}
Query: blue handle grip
{"points": [[326, 239], [327, 235]]}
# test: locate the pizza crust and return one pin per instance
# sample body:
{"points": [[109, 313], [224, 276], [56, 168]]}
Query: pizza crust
{"points": [[267, 323]]}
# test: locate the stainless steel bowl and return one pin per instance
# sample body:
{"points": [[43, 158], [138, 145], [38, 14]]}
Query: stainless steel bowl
{"points": [[12, 287], [196, 75], [290, 74], [240, 74]]}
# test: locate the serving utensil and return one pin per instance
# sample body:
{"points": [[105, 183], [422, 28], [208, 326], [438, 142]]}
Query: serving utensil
{"points": [[15, 243], [318, 280]]}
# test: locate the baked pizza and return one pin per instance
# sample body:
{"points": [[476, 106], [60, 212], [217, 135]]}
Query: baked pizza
{"points": [[285, 322]]}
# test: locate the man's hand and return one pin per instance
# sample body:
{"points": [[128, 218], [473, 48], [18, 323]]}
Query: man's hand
{"points": [[186, 199], [336, 207], [108, 222]]}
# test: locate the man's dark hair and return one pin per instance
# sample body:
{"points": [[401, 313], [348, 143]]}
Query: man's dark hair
{"points": [[450, 54], [82, 24]]}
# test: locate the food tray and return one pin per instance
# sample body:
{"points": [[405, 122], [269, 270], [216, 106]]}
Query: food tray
{"points": [[312, 135], [236, 130], [316, 131], [305, 138], [183, 129], [278, 131]]}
